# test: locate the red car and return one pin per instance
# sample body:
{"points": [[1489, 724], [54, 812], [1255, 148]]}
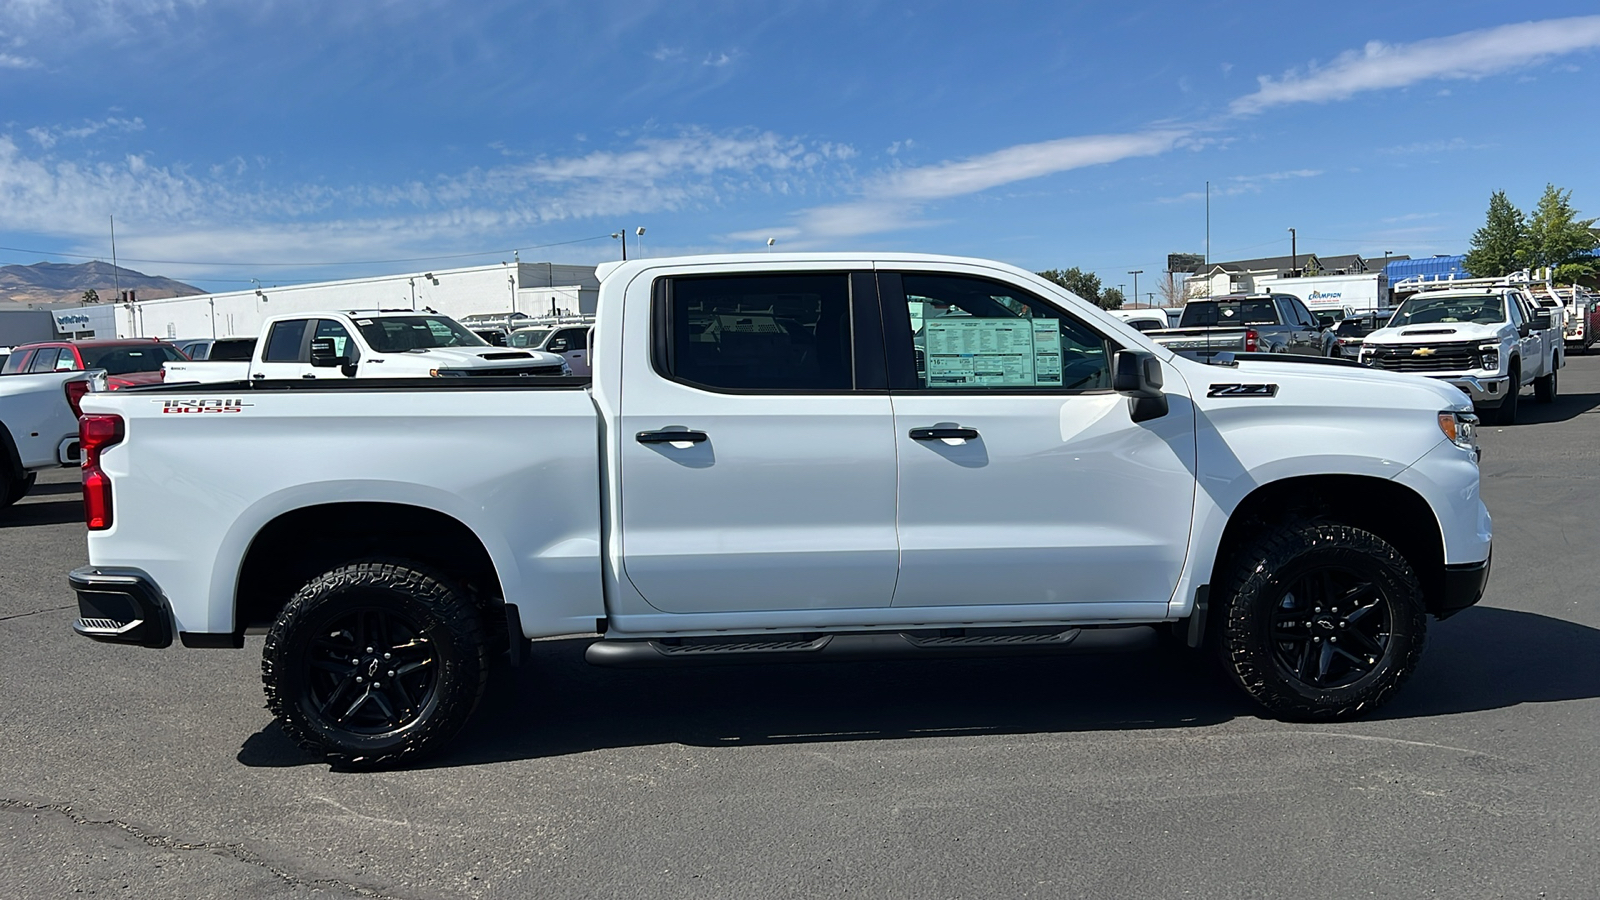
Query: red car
{"points": [[127, 361]]}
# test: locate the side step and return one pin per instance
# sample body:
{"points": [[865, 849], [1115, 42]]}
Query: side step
{"points": [[864, 646]]}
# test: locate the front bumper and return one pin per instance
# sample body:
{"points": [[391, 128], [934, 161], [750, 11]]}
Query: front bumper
{"points": [[1463, 586], [120, 606], [1485, 392]]}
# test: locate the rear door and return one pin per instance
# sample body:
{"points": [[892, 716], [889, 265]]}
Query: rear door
{"points": [[1023, 479], [779, 491]]}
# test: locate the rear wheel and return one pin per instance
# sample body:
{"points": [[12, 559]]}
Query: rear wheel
{"points": [[375, 662], [13, 488], [1321, 621]]}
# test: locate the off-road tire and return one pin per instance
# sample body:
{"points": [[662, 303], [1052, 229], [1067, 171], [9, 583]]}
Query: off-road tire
{"points": [[1266, 632], [376, 614], [13, 488], [1544, 388]]}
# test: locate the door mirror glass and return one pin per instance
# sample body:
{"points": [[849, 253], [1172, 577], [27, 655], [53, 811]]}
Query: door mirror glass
{"points": [[559, 345], [1326, 322], [323, 353]]}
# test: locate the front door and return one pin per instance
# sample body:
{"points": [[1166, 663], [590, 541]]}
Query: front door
{"points": [[756, 447], [1023, 479]]}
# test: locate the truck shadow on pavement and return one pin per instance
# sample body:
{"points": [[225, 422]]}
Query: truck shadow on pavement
{"points": [[557, 704], [50, 512], [1564, 408]]}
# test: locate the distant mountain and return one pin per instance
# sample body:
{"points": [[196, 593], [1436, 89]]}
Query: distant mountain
{"points": [[58, 283]]}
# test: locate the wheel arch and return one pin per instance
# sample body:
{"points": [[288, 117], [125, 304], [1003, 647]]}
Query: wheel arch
{"points": [[300, 544], [1392, 511]]}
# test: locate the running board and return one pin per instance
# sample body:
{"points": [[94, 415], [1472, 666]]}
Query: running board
{"points": [[858, 646]]}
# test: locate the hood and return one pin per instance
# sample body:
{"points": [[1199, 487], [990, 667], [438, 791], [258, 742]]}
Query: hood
{"points": [[1310, 384], [1436, 333], [484, 357]]}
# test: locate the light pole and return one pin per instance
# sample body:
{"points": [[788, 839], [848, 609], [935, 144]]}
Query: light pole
{"points": [[623, 237], [1294, 253], [640, 234], [770, 242], [1136, 273]]}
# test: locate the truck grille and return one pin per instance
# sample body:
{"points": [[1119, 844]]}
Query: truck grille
{"points": [[1453, 357]]}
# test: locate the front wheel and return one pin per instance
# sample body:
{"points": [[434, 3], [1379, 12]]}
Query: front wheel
{"points": [[375, 662], [1321, 621], [1544, 388]]}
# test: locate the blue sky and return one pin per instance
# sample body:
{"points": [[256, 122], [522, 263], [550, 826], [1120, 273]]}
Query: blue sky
{"points": [[301, 140]]}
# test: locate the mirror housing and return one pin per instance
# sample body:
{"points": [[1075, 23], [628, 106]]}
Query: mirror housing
{"points": [[323, 357], [1524, 329], [559, 345], [1541, 319], [1326, 322], [1136, 375]]}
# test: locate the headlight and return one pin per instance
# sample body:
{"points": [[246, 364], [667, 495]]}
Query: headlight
{"points": [[1491, 356], [1461, 428]]}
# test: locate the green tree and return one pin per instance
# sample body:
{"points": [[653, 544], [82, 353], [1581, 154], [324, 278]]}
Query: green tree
{"points": [[91, 296], [1557, 238], [1497, 246], [1111, 298], [1084, 284]]}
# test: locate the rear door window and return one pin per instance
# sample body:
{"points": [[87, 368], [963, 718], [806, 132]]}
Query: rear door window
{"points": [[44, 360], [285, 341], [776, 332]]}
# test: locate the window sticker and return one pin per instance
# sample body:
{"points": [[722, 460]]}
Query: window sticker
{"points": [[973, 352]]}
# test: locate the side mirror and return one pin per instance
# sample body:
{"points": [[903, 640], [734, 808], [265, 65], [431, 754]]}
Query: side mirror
{"points": [[1524, 329], [1541, 320], [323, 357], [1326, 322], [1137, 376], [559, 345]]}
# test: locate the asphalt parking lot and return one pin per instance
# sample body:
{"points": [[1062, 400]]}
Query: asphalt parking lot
{"points": [[150, 774]]}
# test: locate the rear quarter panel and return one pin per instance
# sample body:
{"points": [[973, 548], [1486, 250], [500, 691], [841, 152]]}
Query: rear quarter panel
{"points": [[35, 412], [519, 468]]}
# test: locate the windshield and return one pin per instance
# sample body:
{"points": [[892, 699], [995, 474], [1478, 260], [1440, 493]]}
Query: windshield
{"points": [[1203, 313], [1483, 309], [528, 338], [125, 359], [397, 334]]}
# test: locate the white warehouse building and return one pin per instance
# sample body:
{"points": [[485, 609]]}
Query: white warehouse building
{"points": [[536, 289]]}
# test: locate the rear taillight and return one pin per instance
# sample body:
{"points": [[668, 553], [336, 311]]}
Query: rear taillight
{"points": [[75, 391], [1251, 340], [96, 433]]}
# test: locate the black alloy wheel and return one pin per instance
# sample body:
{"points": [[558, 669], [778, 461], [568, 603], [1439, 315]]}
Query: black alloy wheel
{"points": [[373, 672], [1331, 628]]}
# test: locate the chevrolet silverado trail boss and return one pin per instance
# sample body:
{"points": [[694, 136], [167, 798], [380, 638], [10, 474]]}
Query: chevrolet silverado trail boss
{"points": [[38, 427], [784, 458]]}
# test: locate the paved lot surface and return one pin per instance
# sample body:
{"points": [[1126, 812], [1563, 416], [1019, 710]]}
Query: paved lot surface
{"points": [[150, 774]]}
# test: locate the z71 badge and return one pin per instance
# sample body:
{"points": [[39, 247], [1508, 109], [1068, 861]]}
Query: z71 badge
{"points": [[1243, 390], [207, 405]]}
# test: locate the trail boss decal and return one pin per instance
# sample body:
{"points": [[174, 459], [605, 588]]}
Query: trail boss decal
{"points": [[1243, 390], [208, 405]]}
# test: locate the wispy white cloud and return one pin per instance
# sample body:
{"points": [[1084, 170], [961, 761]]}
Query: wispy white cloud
{"points": [[48, 136], [12, 61], [1441, 146], [1472, 54], [896, 199], [224, 211]]}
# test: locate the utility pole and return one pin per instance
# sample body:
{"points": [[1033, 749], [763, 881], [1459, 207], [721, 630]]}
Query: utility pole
{"points": [[1136, 273], [1294, 253]]}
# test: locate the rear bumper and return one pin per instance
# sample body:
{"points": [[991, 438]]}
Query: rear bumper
{"points": [[1463, 587], [120, 606]]}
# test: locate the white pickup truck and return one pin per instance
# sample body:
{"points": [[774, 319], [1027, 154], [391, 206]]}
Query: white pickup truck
{"points": [[1488, 342], [367, 344], [785, 458], [38, 427]]}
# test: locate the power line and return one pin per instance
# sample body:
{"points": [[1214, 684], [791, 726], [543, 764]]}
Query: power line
{"points": [[262, 265]]}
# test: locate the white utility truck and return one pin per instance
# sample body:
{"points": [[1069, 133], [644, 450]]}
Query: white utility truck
{"points": [[1490, 342], [789, 458], [367, 344]]}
